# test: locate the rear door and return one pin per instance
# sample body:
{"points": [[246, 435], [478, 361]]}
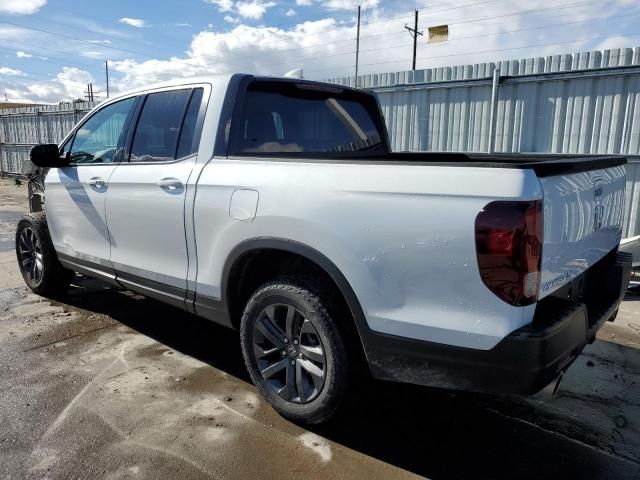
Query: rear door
{"points": [[146, 200], [75, 195], [583, 214]]}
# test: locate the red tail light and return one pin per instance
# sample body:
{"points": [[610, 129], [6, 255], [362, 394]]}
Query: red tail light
{"points": [[509, 249]]}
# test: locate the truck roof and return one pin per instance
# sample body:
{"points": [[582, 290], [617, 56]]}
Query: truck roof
{"points": [[213, 78], [175, 82]]}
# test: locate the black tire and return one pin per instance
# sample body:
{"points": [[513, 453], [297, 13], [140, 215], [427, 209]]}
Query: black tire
{"points": [[37, 259], [311, 314]]}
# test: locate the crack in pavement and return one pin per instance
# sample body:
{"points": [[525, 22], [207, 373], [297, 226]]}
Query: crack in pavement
{"points": [[68, 338]]}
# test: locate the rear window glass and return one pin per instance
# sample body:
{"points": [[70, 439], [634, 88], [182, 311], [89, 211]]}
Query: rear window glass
{"points": [[296, 118]]}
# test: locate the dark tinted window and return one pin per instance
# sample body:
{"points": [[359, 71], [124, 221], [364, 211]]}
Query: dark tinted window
{"points": [[188, 142], [158, 130], [97, 139], [291, 118]]}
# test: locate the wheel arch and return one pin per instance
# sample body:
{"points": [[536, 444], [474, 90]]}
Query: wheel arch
{"points": [[242, 253]]}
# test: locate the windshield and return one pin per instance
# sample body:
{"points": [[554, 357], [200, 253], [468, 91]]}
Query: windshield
{"points": [[283, 117]]}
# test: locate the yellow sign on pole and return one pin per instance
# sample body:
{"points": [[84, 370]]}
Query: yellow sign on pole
{"points": [[439, 33]]}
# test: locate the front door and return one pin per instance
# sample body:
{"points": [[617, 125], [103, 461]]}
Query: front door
{"points": [[75, 195], [146, 199]]}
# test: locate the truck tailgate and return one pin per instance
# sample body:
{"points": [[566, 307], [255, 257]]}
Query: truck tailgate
{"points": [[583, 214]]}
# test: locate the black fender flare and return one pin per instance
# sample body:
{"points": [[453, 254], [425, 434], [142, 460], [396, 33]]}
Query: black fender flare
{"points": [[311, 254]]}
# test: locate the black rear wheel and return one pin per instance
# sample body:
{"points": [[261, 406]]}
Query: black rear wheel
{"points": [[294, 350], [37, 259]]}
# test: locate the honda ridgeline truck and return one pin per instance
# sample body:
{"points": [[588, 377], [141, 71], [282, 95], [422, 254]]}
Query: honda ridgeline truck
{"points": [[276, 207]]}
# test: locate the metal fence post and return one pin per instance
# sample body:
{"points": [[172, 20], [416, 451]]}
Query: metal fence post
{"points": [[495, 91], [3, 147], [38, 140]]}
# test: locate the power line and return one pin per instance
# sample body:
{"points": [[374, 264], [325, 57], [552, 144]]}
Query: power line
{"points": [[488, 51], [190, 59], [535, 10], [68, 37], [388, 47], [21, 73], [186, 61], [560, 7], [557, 7], [49, 60], [39, 47], [111, 47]]}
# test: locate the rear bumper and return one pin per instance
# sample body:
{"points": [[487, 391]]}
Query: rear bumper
{"points": [[526, 360]]}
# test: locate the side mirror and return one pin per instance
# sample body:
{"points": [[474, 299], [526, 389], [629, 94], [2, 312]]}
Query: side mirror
{"points": [[48, 156]]}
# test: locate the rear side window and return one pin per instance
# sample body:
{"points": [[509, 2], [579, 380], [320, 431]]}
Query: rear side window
{"points": [[300, 118], [188, 136], [158, 130]]}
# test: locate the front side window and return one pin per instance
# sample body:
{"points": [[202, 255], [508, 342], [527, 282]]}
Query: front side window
{"points": [[97, 139], [158, 131], [299, 118]]}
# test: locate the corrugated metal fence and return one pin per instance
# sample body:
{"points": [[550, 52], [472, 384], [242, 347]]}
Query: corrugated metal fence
{"points": [[586, 103], [21, 128]]}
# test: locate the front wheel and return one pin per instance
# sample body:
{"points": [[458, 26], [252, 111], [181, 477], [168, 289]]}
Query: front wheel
{"points": [[37, 259], [294, 351]]}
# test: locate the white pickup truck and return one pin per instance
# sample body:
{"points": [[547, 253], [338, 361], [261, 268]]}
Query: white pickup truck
{"points": [[275, 206]]}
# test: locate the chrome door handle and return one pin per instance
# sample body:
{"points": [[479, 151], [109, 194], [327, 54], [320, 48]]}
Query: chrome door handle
{"points": [[170, 184], [96, 182]]}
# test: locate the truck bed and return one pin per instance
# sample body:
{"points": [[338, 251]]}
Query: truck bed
{"points": [[544, 164]]}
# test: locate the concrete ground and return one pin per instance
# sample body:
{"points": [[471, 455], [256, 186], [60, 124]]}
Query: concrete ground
{"points": [[109, 384]]}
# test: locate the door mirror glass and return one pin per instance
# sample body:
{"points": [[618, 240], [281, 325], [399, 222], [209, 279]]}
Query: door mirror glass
{"points": [[47, 156]]}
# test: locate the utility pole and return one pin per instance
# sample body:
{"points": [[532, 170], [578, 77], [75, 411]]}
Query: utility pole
{"points": [[106, 72], [415, 34], [358, 45], [91, 94]]}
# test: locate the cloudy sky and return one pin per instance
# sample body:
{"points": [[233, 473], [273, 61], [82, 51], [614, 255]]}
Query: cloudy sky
{"points": [[50, 49]]}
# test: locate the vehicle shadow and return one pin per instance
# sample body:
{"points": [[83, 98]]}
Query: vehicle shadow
{"points": [[433, 433]]}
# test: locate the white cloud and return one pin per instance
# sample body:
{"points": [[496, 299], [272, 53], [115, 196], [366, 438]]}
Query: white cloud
{"points": [[254, 9], [21, 54], [21, 7], [229, 19], [132, 22], [10, 71], [223, 5], [324, 48], [290, 13], [92, 54], [304, 3], [100, 42], [347, 4], [69, 84]]}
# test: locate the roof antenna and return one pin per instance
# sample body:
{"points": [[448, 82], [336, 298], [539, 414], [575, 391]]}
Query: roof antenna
{"points": [[297, 73]]}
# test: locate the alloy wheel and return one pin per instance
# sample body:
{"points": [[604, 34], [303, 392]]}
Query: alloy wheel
{"points": [[289, 353], [30, 255]]}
